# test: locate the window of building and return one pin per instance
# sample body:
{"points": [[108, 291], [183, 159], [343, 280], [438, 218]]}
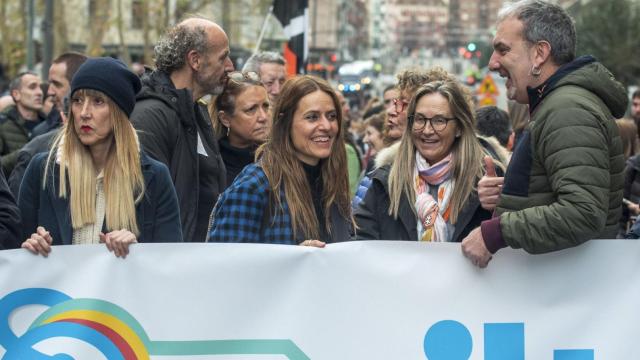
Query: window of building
{"points": [[136, 14]]}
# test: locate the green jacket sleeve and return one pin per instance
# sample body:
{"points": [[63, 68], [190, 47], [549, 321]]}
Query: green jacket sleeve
{"points": [[353, 164]]}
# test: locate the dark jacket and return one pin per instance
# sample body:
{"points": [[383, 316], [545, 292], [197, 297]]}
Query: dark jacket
{"points": [[13, 135], [168, 130], [373, 221], [37, 145], [564, 183], [157, 213], [52, 122], [631, 189], [235, 159], [10, 229], [242, 214]]}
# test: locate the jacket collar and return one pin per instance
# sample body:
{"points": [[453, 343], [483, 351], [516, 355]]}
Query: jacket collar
{"points": [[12, 113], [406, 215], [538, 93]]}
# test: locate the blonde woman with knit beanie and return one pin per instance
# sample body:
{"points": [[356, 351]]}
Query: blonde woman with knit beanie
{"points": [[96, 185]]}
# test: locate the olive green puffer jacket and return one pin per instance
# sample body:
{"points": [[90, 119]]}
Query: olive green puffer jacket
{"points": [[564, 183], [13, 136]]}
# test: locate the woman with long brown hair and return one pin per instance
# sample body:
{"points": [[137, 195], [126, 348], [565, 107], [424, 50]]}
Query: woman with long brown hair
{"points": [[297, 192]]}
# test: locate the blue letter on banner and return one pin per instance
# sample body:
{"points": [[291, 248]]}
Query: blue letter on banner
{"points": [[504, 341]]}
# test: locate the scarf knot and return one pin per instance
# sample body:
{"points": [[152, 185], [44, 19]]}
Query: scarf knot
{"points": [[433, 214]]}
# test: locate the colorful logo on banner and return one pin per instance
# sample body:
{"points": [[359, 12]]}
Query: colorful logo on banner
{"points": [[111, 330], [451, 340]]}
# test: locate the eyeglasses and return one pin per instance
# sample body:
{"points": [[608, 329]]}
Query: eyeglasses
{"points": [[400, 105], [438, 122], [239, 76]]}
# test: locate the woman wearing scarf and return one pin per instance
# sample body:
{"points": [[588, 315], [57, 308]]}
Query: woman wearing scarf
{"points": [[428, 193]]}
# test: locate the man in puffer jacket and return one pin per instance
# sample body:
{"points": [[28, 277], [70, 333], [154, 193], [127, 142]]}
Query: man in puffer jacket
{"points": [[564, 183]]}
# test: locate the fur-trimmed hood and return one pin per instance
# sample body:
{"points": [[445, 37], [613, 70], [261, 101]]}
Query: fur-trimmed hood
{"points": [[387, 155]]}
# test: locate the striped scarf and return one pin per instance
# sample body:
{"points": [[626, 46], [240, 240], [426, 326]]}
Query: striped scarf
{"points": [[433, 214]]}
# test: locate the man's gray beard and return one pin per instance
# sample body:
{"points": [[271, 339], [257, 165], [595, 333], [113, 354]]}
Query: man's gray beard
{"points": [[205, 84]]}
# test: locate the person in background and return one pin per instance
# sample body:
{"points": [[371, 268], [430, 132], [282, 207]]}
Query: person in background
{"points": [[428, 193], [494, 127], [18, 121], [297, 192], [354, 159], [47, 104], [494, 122], [519, 115], [270, 66], [5, 102], [96, 185], [635, 109], [241, 120], [375, 141], [138, 69], [631, 192], [10, 223], [628, 133], [61, 72], [388, 94], [373, 138]]}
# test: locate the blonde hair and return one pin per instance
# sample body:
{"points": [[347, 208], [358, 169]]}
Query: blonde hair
{"points": [[123, 180], [285, 172], [629, 135], [467, 152]]}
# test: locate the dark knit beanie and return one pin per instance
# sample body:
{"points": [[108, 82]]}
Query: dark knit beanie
{"points": [[111, 77]]}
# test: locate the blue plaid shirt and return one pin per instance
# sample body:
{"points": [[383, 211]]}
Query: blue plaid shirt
{"points": [[239, 214]]}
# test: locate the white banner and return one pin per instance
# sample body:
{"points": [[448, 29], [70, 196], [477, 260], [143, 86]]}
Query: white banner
{"points": [[359, 300]]}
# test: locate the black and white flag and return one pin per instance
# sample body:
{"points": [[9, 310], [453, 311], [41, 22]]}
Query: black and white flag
{"points": [[293, 15]]}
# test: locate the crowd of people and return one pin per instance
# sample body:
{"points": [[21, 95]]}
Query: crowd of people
{"points": [[195, 151]]}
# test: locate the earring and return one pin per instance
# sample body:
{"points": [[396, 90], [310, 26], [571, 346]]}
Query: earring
{"points": [[535, 71], [228, 130]]}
